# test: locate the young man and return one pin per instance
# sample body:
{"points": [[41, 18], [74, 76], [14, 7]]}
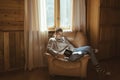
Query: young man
{"points": [[58, 45]]}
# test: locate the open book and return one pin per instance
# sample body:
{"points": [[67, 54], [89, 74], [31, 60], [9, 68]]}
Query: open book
{"points": [[68, 53]]}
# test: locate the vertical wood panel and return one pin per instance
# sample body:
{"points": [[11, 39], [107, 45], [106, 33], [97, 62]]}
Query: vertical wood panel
{"points": [[22, 49], [1, 51], [12, 50], [17, 49], [93, 21], [6, 50], [108, 27], [17, 39], [118, 41], [11, 34], [110, 3]]}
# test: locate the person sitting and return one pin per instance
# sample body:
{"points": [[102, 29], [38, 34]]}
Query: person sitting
{"points": [[59, 44]]}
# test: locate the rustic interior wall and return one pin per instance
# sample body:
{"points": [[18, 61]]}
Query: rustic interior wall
{"points": [[104, 27], [11, 34]]}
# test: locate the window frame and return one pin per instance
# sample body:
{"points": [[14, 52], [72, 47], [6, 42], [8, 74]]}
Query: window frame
{"points": [[57, 17]]}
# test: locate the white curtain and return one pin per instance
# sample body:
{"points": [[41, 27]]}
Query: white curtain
{"points": [[35, 33], [79, 15]]}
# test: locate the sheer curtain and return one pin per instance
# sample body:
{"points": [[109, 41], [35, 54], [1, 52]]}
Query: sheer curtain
{"points": [[79, 15], [35, 33]]}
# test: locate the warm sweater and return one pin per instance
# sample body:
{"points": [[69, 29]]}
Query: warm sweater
{"points": [[58, 46]]}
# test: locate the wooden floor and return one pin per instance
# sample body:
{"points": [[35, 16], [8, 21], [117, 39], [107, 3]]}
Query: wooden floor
{"points": [[112, 65]]}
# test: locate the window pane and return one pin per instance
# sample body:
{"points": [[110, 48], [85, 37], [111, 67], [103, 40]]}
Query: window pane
{"points": [[65, 13], [50, 12]]}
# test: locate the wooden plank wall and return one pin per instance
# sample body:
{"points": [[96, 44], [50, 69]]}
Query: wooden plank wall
{"points": [[109, 43], [1, 52], [11, 34]]}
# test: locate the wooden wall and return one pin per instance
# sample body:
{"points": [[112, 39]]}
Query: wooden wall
{"points": [[11, 34], [109, 28], [93, 21], [104, 25]]}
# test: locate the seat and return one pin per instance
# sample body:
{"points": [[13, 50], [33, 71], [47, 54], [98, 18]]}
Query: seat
{"points": [[60, 66]]}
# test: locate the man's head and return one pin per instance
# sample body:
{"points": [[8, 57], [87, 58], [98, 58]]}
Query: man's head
{"points": [[59, 33], [58, 30]]}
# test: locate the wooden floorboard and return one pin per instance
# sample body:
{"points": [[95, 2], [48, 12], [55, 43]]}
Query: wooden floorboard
{"points": [[113, 65]]}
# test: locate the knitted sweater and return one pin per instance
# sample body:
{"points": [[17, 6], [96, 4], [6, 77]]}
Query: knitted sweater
{"points": [[58, 46]]}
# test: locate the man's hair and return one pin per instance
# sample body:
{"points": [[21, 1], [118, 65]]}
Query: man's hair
{"points": [[58, 30]]}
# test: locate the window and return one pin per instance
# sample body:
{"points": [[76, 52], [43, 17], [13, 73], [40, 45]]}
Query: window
{"points": [[59, 14], [50, 13]]}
